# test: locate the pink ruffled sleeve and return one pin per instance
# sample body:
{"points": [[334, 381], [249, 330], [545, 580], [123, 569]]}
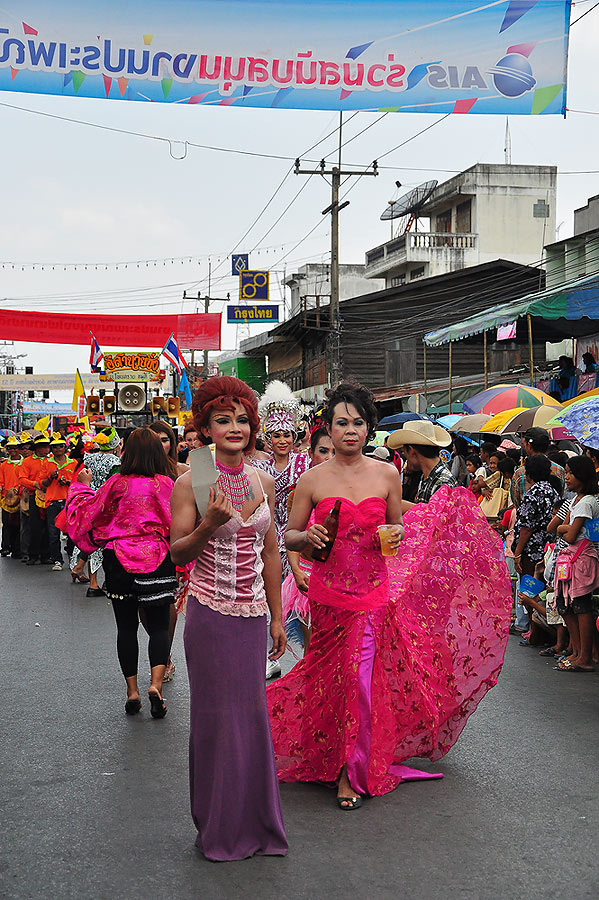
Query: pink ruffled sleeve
{"points": [[86, 509]]}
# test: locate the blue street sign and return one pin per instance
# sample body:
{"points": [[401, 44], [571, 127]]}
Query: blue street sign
{"points": [[239, 261], [253, 285], [252, 314]]}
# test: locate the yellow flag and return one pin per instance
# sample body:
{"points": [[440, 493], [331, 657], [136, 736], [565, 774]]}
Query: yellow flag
{"points": [[78, 391], [42, 424]]}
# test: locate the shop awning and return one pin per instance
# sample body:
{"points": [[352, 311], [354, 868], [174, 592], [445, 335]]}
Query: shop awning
{"points": [[570, 300]]}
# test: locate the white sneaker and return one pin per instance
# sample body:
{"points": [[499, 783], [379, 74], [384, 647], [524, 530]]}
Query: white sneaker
{"points": [[57, 567], [273, 667]]}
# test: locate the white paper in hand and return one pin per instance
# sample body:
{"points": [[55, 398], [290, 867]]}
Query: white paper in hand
{"points": [[204, 475]]}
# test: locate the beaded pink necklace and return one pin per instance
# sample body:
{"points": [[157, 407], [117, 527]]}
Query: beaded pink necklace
{"points": [[234, 483]]}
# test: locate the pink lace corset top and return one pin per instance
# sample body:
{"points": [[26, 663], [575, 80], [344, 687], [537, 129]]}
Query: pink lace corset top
{"points": [[227, 576], [355, 575]]}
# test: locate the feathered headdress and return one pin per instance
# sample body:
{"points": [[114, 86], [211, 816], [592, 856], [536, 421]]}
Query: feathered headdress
{"points": [[278, 408]]}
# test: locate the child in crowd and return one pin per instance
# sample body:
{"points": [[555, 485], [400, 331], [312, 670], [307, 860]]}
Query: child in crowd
{"points": [[477, 472], [577, 565]]}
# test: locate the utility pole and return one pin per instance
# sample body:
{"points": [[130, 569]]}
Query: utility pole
{"points": [[336, 173], [207, 301]]}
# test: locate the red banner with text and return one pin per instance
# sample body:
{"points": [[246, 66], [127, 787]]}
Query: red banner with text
{"points": [[196, 331]]}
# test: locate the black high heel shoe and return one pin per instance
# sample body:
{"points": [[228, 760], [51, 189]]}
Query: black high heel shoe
{"points": [[132, 707], [157, 706]]}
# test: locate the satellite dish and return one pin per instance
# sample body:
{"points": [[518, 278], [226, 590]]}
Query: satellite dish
{"points": [[132, 398], [410, 203], [417, 403]]}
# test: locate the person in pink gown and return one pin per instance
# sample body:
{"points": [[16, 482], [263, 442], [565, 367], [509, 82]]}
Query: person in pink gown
{"points": [[294, 591], [404, 647]]}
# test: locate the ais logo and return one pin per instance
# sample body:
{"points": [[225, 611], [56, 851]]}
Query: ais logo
{"points": [[512, 75]]}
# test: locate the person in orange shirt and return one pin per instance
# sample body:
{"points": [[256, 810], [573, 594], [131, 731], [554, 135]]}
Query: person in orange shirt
{"points": [[31, 473], [59, 472], [9, 499], [26, 443]]}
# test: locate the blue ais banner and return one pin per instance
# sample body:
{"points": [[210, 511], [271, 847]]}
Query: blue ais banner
{"points": [[438, 56], [257, 315]]}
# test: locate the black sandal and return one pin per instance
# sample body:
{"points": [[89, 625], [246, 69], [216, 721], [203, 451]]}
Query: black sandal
{"points": [[132, 707], [157, 706], [354, 803]]}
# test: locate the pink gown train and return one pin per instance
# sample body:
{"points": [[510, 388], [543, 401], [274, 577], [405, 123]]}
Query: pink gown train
{"points": [[403, 649]]}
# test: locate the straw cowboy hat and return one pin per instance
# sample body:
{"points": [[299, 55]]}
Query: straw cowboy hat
{"points": [[420, 432]]}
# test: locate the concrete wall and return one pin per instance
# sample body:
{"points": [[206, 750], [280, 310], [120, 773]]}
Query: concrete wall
{"points": [[313, 278], [503, 211], [587, 217], [572, 258]]}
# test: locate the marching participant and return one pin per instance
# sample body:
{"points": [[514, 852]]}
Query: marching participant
{"points": [[60, 471], [102, 463], [279, 412], [9, 499], [25, 522], [31, 473]]}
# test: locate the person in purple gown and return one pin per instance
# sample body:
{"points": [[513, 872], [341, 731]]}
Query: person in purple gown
{"points": [[236, 580]]}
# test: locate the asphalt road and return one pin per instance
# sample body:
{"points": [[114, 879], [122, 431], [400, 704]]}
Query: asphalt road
{"points": [[95, 804]]}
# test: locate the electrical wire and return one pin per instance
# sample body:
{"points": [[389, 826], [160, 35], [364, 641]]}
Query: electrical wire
{"points": [[584, 14], [424, 319]]}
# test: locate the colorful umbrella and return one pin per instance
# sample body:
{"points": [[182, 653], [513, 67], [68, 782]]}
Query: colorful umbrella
{"points": [[581, 420], [470, 424], [559, 433], [507, 396], [513, 421], [379, 438], [400, 419], [448, 421], [585, 396]]}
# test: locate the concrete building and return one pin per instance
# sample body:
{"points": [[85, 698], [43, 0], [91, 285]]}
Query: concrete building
{"points": [[576, 256], [310, 286], [486, 212]]}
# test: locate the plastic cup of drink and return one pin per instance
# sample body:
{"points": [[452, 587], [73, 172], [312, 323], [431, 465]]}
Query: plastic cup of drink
{"points": [[386, 532]]}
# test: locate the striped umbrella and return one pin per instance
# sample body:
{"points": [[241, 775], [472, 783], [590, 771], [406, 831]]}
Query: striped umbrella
{"points": [[508, 396], [470, 424], [513, 421]]}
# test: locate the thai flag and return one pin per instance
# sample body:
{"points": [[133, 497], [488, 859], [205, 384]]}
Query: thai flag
{"points": [[173, 354], [96, 356]]}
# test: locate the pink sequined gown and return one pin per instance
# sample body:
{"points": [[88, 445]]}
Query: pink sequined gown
{"points": [[403, 649]]}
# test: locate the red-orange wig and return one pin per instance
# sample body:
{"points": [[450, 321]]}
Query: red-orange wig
{"points": [[219, 393]]}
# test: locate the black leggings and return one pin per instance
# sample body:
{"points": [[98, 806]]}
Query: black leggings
{"points": [[127, 622]]}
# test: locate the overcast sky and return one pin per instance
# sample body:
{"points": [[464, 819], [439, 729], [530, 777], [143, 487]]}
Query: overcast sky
{"points": [[76, 194]]}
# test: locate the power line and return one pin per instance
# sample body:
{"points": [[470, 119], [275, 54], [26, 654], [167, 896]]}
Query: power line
{"points": [[584, 14], [272, 156]]}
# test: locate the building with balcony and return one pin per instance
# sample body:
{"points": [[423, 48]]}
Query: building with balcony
{"points": [[487, 212]]}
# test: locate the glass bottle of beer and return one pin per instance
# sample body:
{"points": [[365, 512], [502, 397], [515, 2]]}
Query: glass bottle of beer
{"points": [[331, 523]]}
